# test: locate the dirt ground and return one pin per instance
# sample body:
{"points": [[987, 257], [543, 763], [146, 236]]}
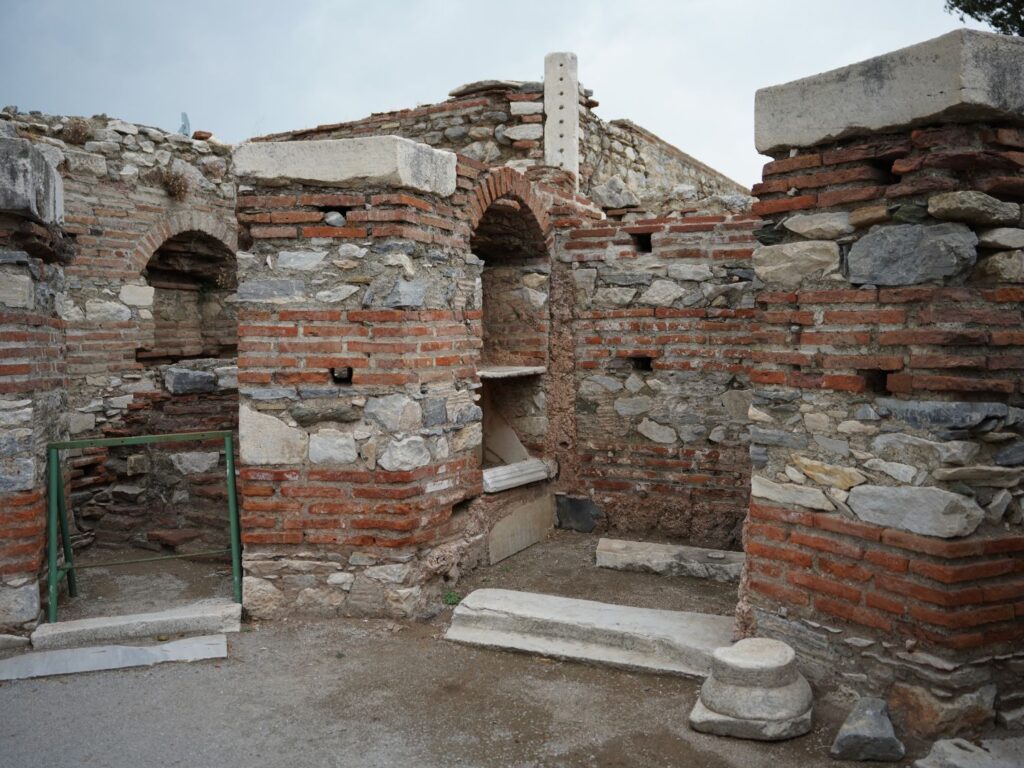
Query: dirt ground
{"points": [[382, 693]]}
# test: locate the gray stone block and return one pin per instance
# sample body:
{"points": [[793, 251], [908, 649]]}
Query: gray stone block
{"points": [[29, 185], [961, 76], [184, 381], [906, 254], [867, 734], [389, 160]]}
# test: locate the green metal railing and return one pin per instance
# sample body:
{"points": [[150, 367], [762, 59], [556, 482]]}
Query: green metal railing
{"points": [[58, 512]]}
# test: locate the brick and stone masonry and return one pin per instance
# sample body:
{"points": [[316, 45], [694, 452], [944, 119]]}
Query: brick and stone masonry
{"points": [[884, 536], [33, 253], [361, 335], [147, 313]]}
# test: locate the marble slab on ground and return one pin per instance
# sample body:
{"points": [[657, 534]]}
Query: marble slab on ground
{"points": [[104, 657], [675, 642], [200, 618], [669, 559]]}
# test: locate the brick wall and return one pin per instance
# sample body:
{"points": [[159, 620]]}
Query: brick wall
{"points": [[359, 346], [663, 321], [33, 252], [884, 528], [498, 124], [118, 180]]}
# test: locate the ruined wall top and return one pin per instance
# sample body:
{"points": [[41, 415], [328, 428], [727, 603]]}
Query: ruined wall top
{"points": [[962, 76]]}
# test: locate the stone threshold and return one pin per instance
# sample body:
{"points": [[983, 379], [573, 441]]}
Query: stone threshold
{"points": [[200, 618]]}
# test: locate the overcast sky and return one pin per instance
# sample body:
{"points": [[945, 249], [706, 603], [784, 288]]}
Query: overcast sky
{"points": [[684, 69]]}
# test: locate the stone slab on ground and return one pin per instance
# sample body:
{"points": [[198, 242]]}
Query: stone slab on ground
{"points": [[102, 657], [867, 734], [960, 753], [202, 617], [670, 559], [524, 526], [622, 636]]}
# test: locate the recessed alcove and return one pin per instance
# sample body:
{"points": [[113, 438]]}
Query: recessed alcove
{"points": [[513, 367], [192, 275]]}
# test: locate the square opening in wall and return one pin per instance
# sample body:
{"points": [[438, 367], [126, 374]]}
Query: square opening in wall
{"points": [[642, 363], [642, 242], [341, 375]]}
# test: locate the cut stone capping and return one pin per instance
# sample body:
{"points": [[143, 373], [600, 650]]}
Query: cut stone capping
{"points": [[377, 159], [960, 76]]}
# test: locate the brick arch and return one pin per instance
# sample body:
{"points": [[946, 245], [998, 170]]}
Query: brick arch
{"points": [[176, 223], [506, 182]]}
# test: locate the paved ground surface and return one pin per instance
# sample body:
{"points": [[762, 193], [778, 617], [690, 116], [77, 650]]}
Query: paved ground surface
{"points": [[379, 693]]}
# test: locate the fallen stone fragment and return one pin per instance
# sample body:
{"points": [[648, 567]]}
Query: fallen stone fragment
{"points": [[867, 734]]}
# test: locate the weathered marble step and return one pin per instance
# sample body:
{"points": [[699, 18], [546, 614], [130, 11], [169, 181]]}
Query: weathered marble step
{"points": [[669, 559], [200, 618], [617, 635], [98, 658]]}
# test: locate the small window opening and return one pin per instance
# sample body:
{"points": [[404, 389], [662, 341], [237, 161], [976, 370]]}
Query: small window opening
{"points": [[875, 380], [642, 242], [335, 215], [341, 375], [642, 363]]}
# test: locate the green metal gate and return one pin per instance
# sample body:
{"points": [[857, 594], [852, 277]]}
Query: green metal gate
{"points": [[58, 512]]}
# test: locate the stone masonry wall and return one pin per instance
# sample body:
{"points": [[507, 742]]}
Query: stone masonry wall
{"points": [[623, 165], [359, 347], [128, 190], [493, 122], [662, 324], [501, 122], [884, 535], [33, 251]]}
